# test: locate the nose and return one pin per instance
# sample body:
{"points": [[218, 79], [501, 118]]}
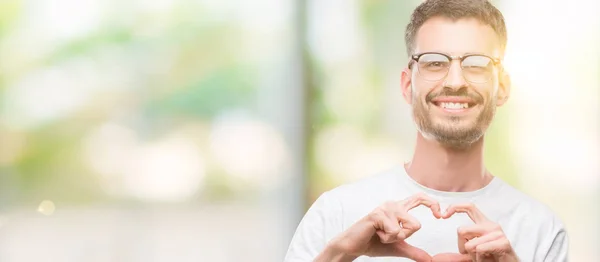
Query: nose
{"points": [[455, 78]]}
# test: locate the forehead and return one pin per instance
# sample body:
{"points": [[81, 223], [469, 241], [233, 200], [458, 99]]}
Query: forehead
{"points": [[465, 35]]}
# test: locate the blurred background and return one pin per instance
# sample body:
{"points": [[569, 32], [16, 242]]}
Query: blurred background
{"points": [[202, 130]]}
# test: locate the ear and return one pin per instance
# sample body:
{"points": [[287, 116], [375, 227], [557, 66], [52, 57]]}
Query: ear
{"points": [[405, 84], [504, 86]]}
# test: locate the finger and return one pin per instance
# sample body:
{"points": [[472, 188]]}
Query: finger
{"points": [[484, 258], [387, 226], [481, 257], [406, 250], [451, 257], [409, 226], [472, 244], [469, 208], [422, 199], [467, 233], [499, 246]]}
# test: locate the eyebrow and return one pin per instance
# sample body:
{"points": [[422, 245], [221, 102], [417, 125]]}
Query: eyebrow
{"points": [[465, 54]]}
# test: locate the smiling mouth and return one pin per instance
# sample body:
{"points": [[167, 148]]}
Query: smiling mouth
{"points": [[454, 105]]}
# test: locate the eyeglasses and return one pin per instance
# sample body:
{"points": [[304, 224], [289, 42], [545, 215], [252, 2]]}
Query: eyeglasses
{"points": [[435, 66]]}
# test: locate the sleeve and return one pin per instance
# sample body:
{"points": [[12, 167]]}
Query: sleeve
{"points": [[559, 249], [320, 224]]}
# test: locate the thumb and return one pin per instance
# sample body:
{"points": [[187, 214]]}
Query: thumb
{"points": [[408, 251], [451, 257]]}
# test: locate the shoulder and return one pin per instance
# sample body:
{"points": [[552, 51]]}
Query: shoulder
{"points": [[349, 202], [531, 210], [531, 219], [374, 186]]}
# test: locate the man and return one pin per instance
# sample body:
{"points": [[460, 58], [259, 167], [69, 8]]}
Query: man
{"points": [[453, 82]]}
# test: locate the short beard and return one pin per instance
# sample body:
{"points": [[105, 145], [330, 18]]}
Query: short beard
{"points": [[448, 135]]}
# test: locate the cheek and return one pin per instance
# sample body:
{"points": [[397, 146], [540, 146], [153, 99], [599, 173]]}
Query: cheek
{"points": [[493, 89], [487, 92], [490, 94], [418, 96], [421, 89]]}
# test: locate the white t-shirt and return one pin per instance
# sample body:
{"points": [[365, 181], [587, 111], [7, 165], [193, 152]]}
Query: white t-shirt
{"points": [[534, 232]]}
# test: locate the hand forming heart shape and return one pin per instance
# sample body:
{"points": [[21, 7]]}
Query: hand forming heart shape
{"points": [[382, 233], [482, 242]]}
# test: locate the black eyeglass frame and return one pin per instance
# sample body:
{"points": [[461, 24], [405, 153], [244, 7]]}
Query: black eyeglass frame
{"points": [[415, 59]]}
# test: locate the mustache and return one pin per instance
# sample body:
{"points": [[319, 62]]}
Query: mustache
{"points": [[477, 98]]}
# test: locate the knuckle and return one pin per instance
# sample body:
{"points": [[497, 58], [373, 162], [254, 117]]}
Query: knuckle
{"points": [[461, 231], [494, 235], [496, 227], [403, 235], [401, 214], [505, 243], [384, 239], [417, 225], [479, 249], [469, 247], [389, 238]]}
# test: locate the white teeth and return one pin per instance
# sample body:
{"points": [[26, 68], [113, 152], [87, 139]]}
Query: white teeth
{"points": [[454, 105]]}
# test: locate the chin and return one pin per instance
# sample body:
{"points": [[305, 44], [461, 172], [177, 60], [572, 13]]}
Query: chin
{"points": [[455, 125], [456, 137], [457, 144], [455, 132]]}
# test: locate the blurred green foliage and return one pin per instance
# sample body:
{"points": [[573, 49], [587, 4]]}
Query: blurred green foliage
{"points": [[188, 69]]}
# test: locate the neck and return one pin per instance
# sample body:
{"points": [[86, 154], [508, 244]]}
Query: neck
{"points": [[445, 169]]}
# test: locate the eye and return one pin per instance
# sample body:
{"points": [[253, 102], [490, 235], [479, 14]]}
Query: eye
{"points": [[433, 62], [476, 67], [434, 65], [477, 63]]}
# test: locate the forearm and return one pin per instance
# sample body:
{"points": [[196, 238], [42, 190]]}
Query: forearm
{"points": [[333, 254]]}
